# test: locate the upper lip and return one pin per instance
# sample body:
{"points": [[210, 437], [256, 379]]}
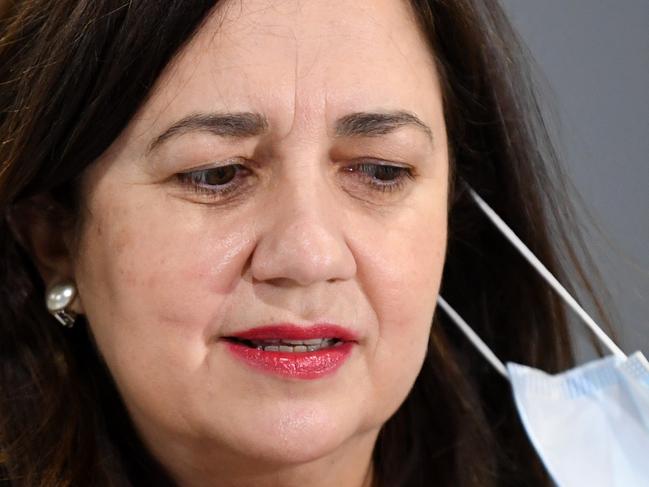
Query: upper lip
{"points": [[291, 331]]}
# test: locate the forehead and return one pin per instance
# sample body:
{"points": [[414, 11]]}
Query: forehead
{"points": [[301, 62]]}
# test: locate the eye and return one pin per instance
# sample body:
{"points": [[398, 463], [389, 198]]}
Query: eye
{"points": [[215, 181], [382, 177], [221, 181]]}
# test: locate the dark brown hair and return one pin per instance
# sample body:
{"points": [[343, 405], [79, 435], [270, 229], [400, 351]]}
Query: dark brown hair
{"points": [[74, 72]]}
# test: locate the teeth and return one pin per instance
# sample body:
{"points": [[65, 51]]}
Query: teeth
{"points": [[296, 345]]}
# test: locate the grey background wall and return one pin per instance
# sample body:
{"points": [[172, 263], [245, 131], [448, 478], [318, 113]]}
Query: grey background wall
{"points": [[595, 58]]}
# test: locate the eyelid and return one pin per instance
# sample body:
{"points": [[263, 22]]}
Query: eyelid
{"points": [[234, 161]]}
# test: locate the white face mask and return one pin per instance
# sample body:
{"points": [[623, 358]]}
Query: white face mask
{"points": [[590, 424]]}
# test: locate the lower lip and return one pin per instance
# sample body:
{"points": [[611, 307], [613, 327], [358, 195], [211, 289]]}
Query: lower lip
{"points": [[297, 365]]}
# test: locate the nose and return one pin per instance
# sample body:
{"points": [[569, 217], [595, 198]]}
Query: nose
{"points": [[302, 238]]}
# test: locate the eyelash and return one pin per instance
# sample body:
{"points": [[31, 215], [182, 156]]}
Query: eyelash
{"points": [[195, 180]]}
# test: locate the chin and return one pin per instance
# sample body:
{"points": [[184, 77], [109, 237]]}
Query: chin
{"points": [[296, 449], [292, 435]]}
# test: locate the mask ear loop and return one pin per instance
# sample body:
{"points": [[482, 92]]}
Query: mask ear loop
{"points": [[544, 272], [473, 337]]}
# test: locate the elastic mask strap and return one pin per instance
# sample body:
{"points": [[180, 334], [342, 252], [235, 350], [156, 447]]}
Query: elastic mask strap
{"points": [[473, 337], [546, 274], [543, 271]]}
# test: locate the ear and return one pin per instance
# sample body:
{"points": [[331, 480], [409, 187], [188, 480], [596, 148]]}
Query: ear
{"points": [[47, 232]]}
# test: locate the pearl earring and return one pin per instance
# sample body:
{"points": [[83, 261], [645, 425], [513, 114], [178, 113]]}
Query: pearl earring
{"points": [[58, 298]]}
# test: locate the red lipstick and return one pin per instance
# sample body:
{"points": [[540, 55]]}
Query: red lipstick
{"points": [[260, 349]]}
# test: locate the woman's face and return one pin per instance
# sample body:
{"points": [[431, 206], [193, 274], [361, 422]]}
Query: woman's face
{"points": [[290, 166]]}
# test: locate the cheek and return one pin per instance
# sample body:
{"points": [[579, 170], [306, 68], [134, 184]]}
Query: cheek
{"points": [[153, 277], [403, 275], [406, 270]]}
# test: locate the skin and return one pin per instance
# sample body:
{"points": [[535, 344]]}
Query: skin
{"points": [[164, 271]]}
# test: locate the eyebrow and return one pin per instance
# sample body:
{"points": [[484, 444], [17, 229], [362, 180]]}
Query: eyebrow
{"points": [[250, 124], [237, 125], [369, 124]]}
